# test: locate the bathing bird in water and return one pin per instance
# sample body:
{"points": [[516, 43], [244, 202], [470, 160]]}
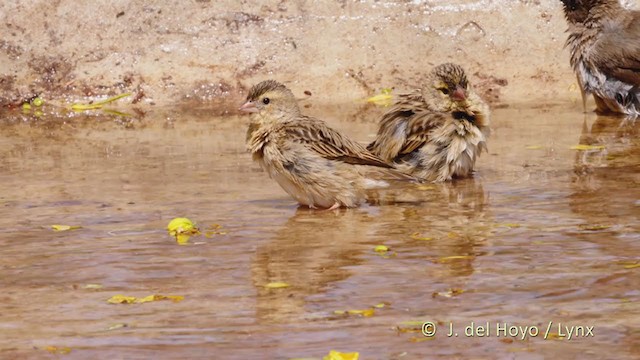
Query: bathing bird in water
{"points": [[604, 41], [312, 162], [435, 133]]}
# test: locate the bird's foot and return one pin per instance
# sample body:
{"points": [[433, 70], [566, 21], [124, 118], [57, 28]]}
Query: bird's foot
{"points": [[334, 206]]}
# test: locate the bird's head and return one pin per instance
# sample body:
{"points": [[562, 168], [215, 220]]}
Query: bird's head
{"points": [[272, 100], [579, 11], [446, 88]]}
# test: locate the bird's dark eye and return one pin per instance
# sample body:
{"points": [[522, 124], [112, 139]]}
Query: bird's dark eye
{"points": [[266, 101], [444, 91], [619, 99]]}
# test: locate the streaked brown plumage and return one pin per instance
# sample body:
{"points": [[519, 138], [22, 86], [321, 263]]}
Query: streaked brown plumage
{"points": [[604, 40], [435, 133], [311, 161]]}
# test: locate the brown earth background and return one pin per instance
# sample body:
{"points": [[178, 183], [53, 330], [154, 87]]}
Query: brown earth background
{"points": [[199, 51]]}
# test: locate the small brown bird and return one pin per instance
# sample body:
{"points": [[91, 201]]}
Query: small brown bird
{"points": [[312, 162], [604, 40], [437, 132]]}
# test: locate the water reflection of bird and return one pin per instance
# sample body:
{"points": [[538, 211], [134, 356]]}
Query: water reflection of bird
{"points": [[604, 40], [309, 252], [312, 162], [314, 252], [609, 143], [437, 132]]}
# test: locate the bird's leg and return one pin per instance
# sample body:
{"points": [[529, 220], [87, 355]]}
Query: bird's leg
{"points": [[583, 94], [334, 206]]}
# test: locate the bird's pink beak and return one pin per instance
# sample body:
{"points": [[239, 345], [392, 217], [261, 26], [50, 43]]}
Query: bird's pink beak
{"points": [[459, 94], [249, 107]]}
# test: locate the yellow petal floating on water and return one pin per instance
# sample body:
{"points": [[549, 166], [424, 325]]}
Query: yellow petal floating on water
{"points": [[418, 236], [150, 298], [555, 336], [63, 350], [215, 229], [181, 229], [182, 239], [455, 257], [594, 227], [276, 285], [365, 312], [416, 339], [410, 326], [629, 264], [582, 147], [93, 286], [121, 299], [98, 104], [381, 305], [509, 225], [449, 293], [412, 323], [381, 249], [336, 355], [64, 227], [117, 326]]}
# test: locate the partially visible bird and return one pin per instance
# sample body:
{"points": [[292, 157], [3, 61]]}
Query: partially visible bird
{"points": [[312, 162], [604, 41], [435, 133]]}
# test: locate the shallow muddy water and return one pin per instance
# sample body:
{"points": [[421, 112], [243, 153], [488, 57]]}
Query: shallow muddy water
{"points": [[541, 233]]}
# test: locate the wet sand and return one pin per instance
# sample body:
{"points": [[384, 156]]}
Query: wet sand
{"points": [[541, 233]]}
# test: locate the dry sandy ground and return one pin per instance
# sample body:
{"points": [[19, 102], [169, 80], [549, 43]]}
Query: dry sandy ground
{"points": [[174, 52]]}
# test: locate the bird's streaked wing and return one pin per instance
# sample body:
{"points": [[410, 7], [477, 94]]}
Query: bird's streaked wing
{"points": [[617, 53], [329, 143]]}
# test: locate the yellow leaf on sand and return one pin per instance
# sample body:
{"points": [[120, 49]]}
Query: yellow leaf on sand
{"points": [[58, 349], [381, 305], [583, 147], [381, 249], [418, 236], [121, 299], [98, 104], [336, 355], [425, 187], [534, 147], [64, 227], [276, 285]]}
